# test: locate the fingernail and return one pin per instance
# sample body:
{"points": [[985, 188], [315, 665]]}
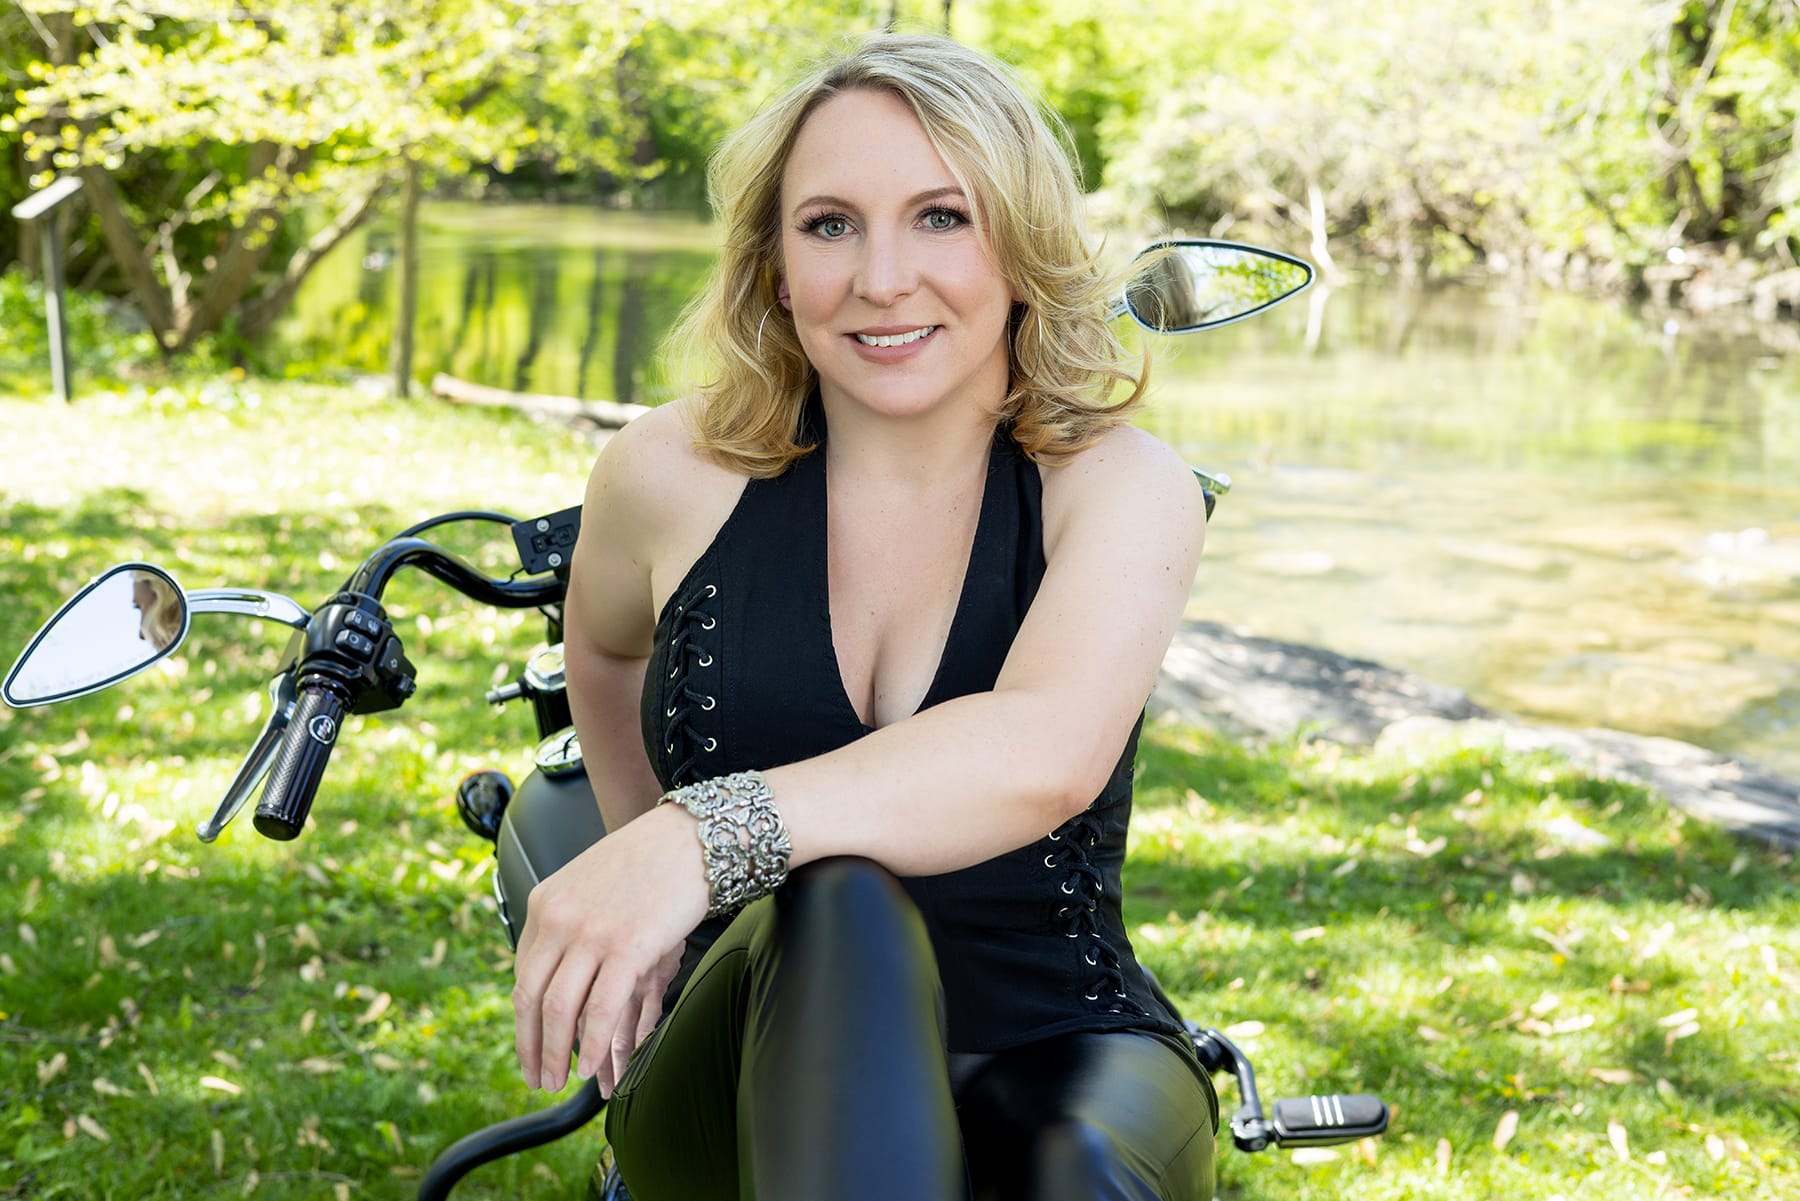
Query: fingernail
{"points": [[583, 1069]]}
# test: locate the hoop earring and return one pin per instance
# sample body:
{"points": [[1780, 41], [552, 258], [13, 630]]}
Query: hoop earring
{"points": [[759, 329]]}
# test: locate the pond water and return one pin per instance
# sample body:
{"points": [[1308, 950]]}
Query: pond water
{"points": [[1551, 502]]}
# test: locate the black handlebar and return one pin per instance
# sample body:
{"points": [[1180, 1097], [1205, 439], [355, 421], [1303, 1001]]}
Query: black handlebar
{"points": [[311, 733]]}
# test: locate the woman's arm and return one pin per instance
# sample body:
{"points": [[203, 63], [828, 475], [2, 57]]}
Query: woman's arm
{"points": [[983, 774], [608, 623], [947, 788]]}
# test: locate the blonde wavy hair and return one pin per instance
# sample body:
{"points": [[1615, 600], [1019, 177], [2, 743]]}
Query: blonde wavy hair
{"points": [[1012, 159]]}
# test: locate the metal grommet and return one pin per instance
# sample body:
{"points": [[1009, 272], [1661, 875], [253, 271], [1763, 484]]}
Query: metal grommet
{"points": [[706, 660], [1091, 961], [1067, 891], [670, 712], [712, 590], [712, 744], [707, 704], [1055, 836], [670, 749], [1074, 934], [1092, 996], [707, 621], [1063, 912], [1049, 862]]}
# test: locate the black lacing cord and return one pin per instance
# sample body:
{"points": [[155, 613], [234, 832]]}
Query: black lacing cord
{"points": [[685, 650], [1079, 915]]}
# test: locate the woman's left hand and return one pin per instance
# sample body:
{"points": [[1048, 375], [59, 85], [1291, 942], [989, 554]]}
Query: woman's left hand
{"points": [[602, 939]]}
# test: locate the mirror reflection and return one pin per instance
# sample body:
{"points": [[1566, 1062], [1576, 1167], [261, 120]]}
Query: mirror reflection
{"points": [[124, 621], [1195, 285]]}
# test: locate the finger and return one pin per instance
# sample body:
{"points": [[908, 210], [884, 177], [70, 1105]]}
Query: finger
{"points": [[607, 1003], [648, 1014], [532, 974], [562, 1004], [620, 1046]]}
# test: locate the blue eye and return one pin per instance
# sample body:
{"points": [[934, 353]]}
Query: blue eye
{"points": [[827, 226], [943, 219]]}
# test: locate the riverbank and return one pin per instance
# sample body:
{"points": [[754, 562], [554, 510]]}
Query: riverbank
{"points": [[1243, 686]]}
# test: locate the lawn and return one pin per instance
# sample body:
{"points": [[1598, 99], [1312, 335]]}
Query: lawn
{"points": [[1564, 988]]}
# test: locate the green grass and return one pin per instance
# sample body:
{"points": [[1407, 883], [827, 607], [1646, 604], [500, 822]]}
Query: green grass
{"points": [[322, 1017]]}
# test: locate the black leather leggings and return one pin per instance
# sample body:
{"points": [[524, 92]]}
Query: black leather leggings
{"points": [[805, 1061]]}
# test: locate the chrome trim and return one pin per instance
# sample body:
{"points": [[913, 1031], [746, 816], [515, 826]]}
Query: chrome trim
{"points": [[249, 602]]}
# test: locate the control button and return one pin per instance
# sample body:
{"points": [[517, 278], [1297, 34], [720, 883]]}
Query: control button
{"points": [[367, 623], [356, 644]]}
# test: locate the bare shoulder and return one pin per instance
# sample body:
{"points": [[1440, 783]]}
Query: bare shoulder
{"points": [[650, 477], [1127, 475]]}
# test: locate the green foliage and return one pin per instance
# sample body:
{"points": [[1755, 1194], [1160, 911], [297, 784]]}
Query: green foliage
{"points": [[101, 337], [1500, 132]]}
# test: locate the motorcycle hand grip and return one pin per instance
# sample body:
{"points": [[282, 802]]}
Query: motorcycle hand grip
{"points": [[311, 733]]}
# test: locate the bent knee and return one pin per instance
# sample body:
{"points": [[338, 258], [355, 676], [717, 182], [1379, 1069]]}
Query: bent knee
{"points": [[844, 891]]}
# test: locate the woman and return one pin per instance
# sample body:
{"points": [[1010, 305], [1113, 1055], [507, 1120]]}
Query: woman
{"points": [[888, 598]]}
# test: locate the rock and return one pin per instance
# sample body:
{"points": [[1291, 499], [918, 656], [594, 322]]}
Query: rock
{"points": [[1249, 687]]}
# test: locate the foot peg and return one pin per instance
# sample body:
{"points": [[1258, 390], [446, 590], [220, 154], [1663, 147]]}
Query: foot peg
{"points": [[1322, 1121]]}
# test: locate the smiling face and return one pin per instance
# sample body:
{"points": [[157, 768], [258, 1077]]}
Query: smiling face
{"points": [[894, 296]]}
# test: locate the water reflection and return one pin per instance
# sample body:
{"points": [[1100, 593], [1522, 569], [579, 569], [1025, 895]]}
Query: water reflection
{"points": [[1536, 497], [529, 298]]}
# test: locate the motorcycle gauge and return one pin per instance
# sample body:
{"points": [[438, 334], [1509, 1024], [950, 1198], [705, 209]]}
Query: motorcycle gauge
{"points": [[559, 755]]}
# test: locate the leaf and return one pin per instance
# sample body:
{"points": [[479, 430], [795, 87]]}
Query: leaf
{"points": [[1679, 1033], [1613, 1075], [1545, 1004], [385, 1062], [220, 1084], [1249, 1029], [1507, 1127], [1679, 1018], [1369, 1151], [319, 1066], [149, 1080], [27, 935], [218, 1152], [376, 1008], [1715, 1147], [1314, 1155], [48, 1071], [107, 1088], [228, 1059], [1345, 868], [436, 958], [1432, 1036], [92, 1129], [1443, 1156], [1308, 934], [1621, 1142]]}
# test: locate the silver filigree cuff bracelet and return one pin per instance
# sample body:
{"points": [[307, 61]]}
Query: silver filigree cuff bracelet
{"points": [[743, 842]]}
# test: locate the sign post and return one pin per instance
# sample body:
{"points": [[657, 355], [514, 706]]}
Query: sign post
{"points": [[41, 206]]}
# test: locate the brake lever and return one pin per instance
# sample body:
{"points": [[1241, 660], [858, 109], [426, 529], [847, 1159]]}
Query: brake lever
{"points": [[256, 764]]}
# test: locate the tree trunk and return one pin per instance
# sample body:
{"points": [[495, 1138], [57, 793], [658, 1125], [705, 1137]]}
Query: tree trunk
{"points": [[407, 305], [129, 252]]}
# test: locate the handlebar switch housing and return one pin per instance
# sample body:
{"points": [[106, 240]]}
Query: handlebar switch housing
{"points": [[351, 640]]}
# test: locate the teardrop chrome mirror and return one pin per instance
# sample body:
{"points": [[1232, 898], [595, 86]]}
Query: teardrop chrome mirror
{"points": [[126, 619], [1186, 285]]}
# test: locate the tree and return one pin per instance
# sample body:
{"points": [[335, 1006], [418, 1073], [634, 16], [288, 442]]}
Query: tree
{"points": [[241, 117]]}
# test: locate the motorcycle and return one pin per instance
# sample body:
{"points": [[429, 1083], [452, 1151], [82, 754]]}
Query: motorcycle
{"points": [[346, 656]]}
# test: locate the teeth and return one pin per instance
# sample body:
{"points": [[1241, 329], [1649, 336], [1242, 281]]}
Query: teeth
{"points": [[895, 339]]}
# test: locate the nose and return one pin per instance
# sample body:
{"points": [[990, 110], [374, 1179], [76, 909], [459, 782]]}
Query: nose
{"points": [[886, 272]]}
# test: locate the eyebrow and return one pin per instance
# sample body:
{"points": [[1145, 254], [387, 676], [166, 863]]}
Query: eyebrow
{"points": [[924, 197]]}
